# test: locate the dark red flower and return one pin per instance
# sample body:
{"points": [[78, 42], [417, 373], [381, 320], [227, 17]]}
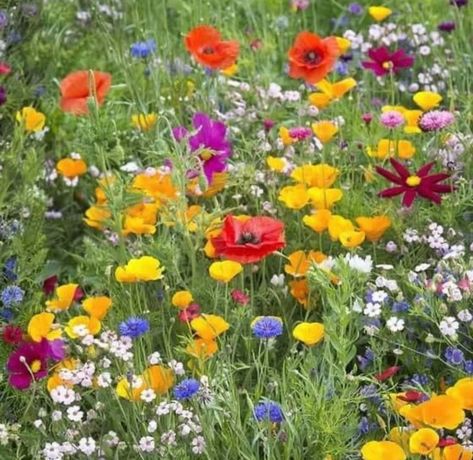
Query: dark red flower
{"points": [[411, 396], [49, 284], [387, 374], [191, 312], [384, 61], [250, 240], [12, 335], [412, 185], [447, 442], [78, 294], [240, 297]]}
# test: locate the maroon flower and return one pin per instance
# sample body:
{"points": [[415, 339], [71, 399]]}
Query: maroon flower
{"points": [[49, 284], [447, 442], [78, 294], [12, 335], [384, 61], [191, 312], [411, 396], [240, 297], [387, 374], [412, 185]]}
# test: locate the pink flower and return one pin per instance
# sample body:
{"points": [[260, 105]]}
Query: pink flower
{"points": [[383, 61], [191, 312], [240, 297], [392, 119], [5, 69], [436, 120]]}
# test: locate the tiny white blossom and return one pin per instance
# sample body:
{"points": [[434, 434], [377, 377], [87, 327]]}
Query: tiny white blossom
{"points": [[146, 444], [395, 324], [448, 326]]}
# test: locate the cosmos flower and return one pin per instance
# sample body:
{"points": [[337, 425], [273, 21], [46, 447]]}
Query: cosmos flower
{"points": [[186, 389], [267, 327], [411, 185], [384, 61], [268, 411]]}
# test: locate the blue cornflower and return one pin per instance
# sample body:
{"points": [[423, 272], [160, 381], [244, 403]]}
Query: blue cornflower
{"points": [[364, 426], [267, 327], [9, 269], [420, 379], [134, 327], [143, 49], [186, 389], [468, 366], [399, 307], [6, 314], [454, 356], [366, 359], [12, 295], [268, 411]]}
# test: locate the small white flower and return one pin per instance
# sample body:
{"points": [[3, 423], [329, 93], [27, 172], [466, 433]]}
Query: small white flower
{"points": [[146, 444], [154, 358], [421, 267], [379, 296], [198, 445], [177, 367], [56, 415], [449, 326], [277, 280], [38, 423], [148, 395], [52, 451], [373, 310], [74, 414], [87, 445], [465, 316], [395, 324], [152, 426], [359, 264]]}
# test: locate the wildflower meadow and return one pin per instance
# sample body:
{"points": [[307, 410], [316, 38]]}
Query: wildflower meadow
{"points": [[236, 229]]}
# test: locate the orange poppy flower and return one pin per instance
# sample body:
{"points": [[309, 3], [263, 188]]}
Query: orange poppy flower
{"points": [[207, 47], [311, 57], [77, 87]]}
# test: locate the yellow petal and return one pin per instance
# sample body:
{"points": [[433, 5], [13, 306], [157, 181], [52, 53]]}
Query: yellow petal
{"points": [[225, 271], [309, 333]]}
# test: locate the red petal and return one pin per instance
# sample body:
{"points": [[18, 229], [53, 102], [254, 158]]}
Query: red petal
{"points": [[390, 192], [389, 175], [409, 197], [387, 374], [400, 168], [424, 170]]}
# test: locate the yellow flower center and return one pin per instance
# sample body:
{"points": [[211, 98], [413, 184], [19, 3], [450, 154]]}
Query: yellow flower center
{"points": [[413, 181], [206, 154], [388, 65], [35, 366]]}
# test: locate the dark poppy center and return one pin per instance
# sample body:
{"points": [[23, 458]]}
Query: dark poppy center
{"points": [[208, 50], [248, 238], [312, 57]]}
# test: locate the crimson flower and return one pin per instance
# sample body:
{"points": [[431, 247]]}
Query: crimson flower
{"points": [[411, 396], [188, 314], [387, 373], [412, 185], [384, 61], [12, 335], [249, 240]]}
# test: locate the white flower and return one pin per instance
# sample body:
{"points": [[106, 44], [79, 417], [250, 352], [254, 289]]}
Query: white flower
{"points": [[421, 267], [63, 395], [87, 445], [56, 415], [424, 50], [357, 306], [163, 408], [152, 426], [465, 316], [395, 324], [104, 380], [373, 310], [52, 451], [154, 358], [198, 445], [177, 367], [113, 439], [148, 395], [256, 191], [379, 296], [277, 280], [448, 326], [146, 444], [359, 264], [169, 438], [68, 448], [74, 414], [38, 423]]}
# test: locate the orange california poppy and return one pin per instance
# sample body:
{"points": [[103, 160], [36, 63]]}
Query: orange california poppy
{"points": [[311, 57], [207, 47], [77, 87]]}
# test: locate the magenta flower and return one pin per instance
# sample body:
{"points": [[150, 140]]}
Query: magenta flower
{"points": [[384, 61], [435, 120], [392, 119]]}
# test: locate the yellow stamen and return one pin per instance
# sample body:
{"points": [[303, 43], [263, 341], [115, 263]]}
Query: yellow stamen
{"points": [[206, 154], [413, 181], [35, 366], [388, 65]]}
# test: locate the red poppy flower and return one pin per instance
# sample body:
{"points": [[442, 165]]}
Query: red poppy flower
{"points": [[387, 374], [311, 57], [412, 185], [207, 47], [250, 240], [383, 61], [81, 85]]}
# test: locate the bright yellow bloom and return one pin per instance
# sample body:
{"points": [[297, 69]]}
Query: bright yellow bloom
{"points": [[352, 238], [324, 198], [230, 71], [388, 148], [137, 226], [379, 13], [70, 168], [158, 186], [343, 44], [145, 268], [294, 196], [209, 327], [400, 435], [318, 221], [453, 452], [182, 299], [41, 327], [382, 450], [427, 100], [202, 349], [31, 119], [374, 227], [97, 307], [412, 121], [299, 262], [144, 121], [337, 225], [321, 175], [131, 391], [225, 270], [82, 325], [423, 441], [277, 164], [309, 333], [95, 216], [324, 130], [158, 378], [330, 92], [442, 411], [463, 392], [64, 297], [285, 136]]}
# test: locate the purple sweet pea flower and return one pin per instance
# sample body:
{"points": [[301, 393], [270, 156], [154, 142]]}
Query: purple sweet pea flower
{"points": [[384, 61]]}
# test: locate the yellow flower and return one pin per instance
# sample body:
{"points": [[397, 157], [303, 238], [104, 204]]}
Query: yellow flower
{"points": [[209, 327], [442, 411], [158, 186], [382, 450], [299, 262], [70, 168], [324, 130], [321, 175], [427, 100], [351, 238], [182, 299], [225, 271], [330, 92], [131, 391], [318, 221], [41, 327], [31, 119], [202, 349], [387, 148], [423, 441], [412, 121], [145, 268], [95, 216], [144, 121], [309, 333], [97, 307], [137, 226], [343, 44], [400, 435], [64, 297], [463, 392], [379, 13], [277, 164], [338, 224], [285, 136], [294, 196], [374, 227], [454, 452], [158, 378], [230, 71], [324, 198], [82, 325]]}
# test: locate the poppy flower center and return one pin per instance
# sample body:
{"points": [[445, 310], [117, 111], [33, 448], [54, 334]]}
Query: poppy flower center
{"points": [[413, 181], [35, 366], [312, 57], [206, 154], [208, 50], [248, 238], [388, 65]]}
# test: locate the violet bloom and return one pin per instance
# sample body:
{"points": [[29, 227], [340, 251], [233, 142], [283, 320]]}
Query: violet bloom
{"points": [[446, 26], [459, 3], [435, 120], [3, 95], [209, 142], [384, 61], [355, 8], [27, 363]]}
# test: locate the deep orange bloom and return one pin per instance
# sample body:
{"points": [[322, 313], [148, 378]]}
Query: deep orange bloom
{"points": [[311, 57], [207, 47], [77, 87]]}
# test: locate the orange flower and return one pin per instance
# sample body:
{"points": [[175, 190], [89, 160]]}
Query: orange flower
{"points": [[77, 87], [201, 348], [324, 130], [207, 47], [463, 391], [97, 307], [299, 262], [423, 441], [70, 167], [159, 378], [311, 57], [442, 412], [318, 222], [321, 175], [64, 297], [374, 227], [158, 186], [351, 238], [300, 291], [382, 450]]}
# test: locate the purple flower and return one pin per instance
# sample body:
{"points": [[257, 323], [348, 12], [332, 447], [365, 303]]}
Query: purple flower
{"points": [[300, 133], [454, 356], [209, 142], [355, 8], [268, 411], [57, 350], [446, 26], [392, 119], [459, 3], [436, 120], [384, 61], [3, 95]]}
